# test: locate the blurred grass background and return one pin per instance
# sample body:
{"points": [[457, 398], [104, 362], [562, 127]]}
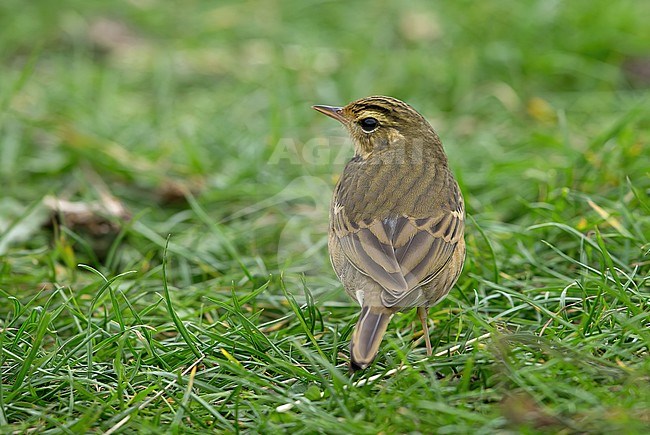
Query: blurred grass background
{"points": [[192, 119]]}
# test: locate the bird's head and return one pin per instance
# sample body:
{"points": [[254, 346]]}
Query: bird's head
{"points": [[381, 123]]}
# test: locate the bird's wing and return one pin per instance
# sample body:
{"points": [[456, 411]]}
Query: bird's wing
{"points": [[400, 253]]}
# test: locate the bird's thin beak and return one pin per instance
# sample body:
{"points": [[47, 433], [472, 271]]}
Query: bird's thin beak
{"points": [[331, 111]]}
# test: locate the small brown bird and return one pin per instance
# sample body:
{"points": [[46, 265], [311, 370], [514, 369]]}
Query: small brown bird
{"points": [[396, 219]]}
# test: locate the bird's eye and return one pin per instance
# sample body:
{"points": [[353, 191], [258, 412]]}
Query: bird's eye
{"points": [[369, 124]]}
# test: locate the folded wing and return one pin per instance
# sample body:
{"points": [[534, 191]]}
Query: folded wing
{"points": [[400, 253]]}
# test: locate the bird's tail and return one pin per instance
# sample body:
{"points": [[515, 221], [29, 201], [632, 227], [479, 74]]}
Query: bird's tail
{"points": [[367, 336]]}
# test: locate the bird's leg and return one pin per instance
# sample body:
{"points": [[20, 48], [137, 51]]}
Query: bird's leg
{"points": [[423, 314]]}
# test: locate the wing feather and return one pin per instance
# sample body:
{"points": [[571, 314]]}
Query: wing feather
{"points": [[400, 253]]}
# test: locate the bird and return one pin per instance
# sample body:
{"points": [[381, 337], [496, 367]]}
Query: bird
{"points": [[396, 220]]}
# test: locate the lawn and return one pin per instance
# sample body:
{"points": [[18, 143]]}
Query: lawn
{"points": [[164, 187]]}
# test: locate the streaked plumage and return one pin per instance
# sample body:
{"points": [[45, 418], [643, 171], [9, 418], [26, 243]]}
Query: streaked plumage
{"points": [[396, 219]]}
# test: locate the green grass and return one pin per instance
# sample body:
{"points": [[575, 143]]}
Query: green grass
{"points": [[214, 308]]}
